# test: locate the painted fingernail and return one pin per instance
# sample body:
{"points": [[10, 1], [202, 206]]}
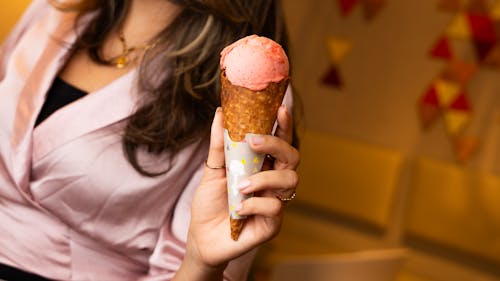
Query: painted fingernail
{"points": [[257, 140], [243, 184]]}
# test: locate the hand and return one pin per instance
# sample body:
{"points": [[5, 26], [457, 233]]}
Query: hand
{"points": [[209, 241]]}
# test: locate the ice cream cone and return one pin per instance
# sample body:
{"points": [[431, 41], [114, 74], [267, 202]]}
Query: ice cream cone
{"points": [[254, 77], [249, 112], [236, 227], [246, 111]]}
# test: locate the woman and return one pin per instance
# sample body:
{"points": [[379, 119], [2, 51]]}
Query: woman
{"points": [[105, 113]]}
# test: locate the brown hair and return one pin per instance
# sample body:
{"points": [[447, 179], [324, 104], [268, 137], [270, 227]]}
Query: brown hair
{"points": [[177, 110]]}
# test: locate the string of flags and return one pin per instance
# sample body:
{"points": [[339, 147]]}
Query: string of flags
{"points": [[371, 8], [469, 42], [339, 48]]}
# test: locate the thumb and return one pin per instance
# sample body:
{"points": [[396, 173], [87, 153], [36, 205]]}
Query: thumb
{"points": [[215, 160]]}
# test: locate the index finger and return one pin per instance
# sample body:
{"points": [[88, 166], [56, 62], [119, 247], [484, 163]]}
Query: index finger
{"points": [[285, 124]]}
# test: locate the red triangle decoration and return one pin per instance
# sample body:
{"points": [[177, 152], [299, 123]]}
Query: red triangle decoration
{"points": [[332, 78], [461, 103], [442, 49], [346, 6], [430, 97], [482, 27], [428, 107]]}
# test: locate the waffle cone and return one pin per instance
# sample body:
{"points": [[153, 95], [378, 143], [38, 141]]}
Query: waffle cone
{"points": [[247, 111], [236, 226]]}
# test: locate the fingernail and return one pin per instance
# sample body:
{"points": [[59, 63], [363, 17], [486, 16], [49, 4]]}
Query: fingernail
{"points": [[257, 140], [284, 107], [243, 184], [218, 109]]}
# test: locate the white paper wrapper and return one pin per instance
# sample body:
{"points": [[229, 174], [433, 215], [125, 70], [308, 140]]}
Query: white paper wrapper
{"points": [[241, 162]]}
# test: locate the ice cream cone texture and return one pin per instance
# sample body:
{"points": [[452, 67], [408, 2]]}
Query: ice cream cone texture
{"points": [[254, 77]]}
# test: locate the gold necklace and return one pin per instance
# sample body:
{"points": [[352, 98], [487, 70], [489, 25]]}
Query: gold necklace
{"points": [[124, 58]]}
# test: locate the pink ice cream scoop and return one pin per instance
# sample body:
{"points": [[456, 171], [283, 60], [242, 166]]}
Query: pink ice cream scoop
{"points": [[253, 62]]}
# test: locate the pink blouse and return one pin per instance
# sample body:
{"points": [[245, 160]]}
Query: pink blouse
{"points": [[71, 206]]}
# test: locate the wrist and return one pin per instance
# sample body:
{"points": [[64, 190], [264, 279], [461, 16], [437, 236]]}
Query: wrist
{"points": [[191, 270], [196, 267]]}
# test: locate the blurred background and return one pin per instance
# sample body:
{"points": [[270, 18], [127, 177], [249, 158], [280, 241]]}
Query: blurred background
{"points": [[400, 141]]}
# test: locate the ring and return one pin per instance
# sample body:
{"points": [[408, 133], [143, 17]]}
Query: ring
{"points": [[214, 167], [286, 199]]}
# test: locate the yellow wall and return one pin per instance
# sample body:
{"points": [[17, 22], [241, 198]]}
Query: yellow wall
{"points": [[371, 177], [9, 14]]}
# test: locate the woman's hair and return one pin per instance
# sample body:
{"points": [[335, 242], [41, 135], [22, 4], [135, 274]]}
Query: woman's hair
{"points": [[178, 109]]}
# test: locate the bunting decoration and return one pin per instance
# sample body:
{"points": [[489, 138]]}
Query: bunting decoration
{"points": [[449, 99], [371, 8], [346, 6], [442, 49], [338, 49], [476, 24]]}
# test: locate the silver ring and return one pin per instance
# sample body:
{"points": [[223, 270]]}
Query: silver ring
{"points": [[286, 199], [214, 167]]}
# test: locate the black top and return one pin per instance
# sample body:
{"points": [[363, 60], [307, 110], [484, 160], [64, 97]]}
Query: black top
{"points": [[59, 95], [14, 274]]}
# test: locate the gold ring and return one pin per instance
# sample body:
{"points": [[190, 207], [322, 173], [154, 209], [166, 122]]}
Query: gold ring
{"points": [[214, 167], [286, 199]]}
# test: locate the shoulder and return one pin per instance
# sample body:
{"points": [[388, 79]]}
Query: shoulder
{"points": [[35, 10]]}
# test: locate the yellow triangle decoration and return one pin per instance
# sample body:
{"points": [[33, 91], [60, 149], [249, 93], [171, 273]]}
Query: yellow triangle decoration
{"points": [[447, 92], [338, 49], [495, 11], [459, 28], [456, 120]]}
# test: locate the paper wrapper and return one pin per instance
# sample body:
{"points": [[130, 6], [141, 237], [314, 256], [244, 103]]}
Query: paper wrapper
{"points": [[241, 162], [245, 112]]}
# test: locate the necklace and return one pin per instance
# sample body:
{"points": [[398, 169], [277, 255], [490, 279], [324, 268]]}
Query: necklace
{"points": [[125, 58]]}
